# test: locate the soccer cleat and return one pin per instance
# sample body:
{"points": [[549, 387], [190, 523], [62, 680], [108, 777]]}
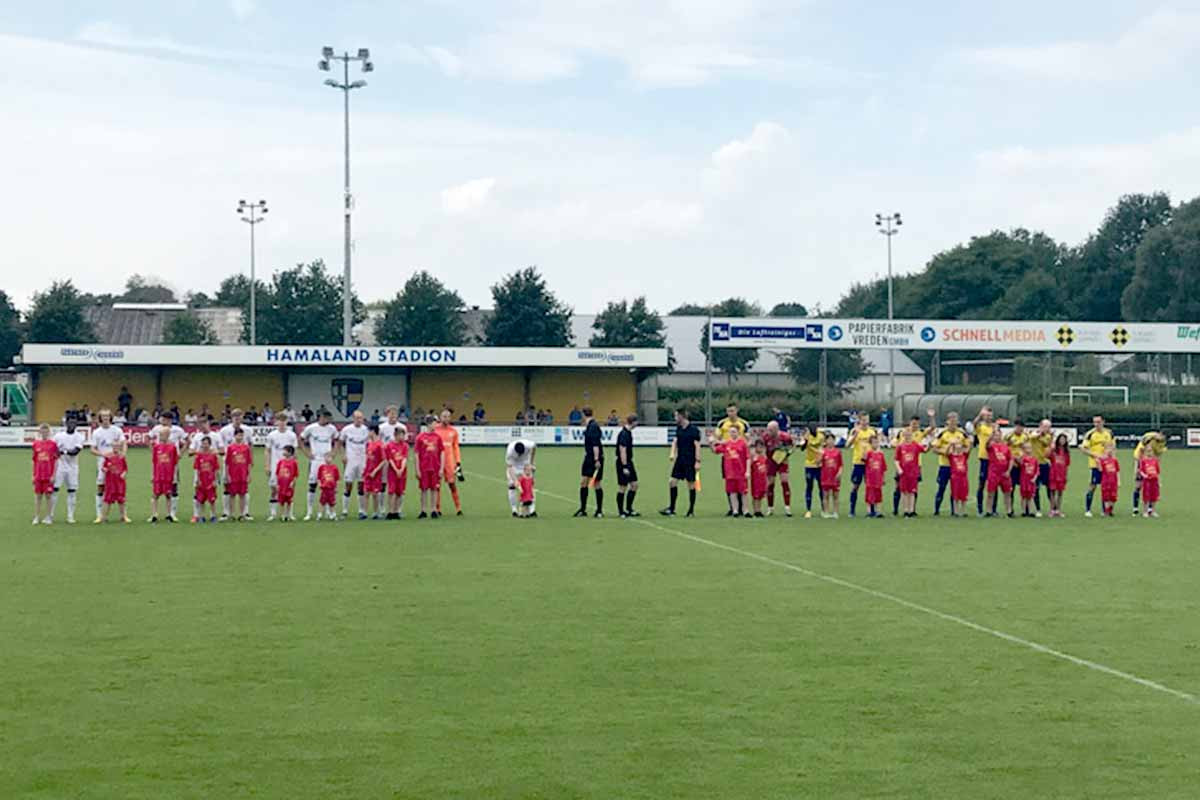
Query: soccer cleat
{"points": [[213, 519], [1088, 514], [247, 518], [47, 521], [622, 515], [36, 521], [97, 520], [126, 520], [70, 520], [730, 513], [152, 520], [1135, 513], [689, 514], [769, 512], [422, 515], [515, 514], [667, 512], [1037, 514], [787, 511], [808, 515], [633, 514], [532, 514], [270, 518], [598, 514], [458, 513], [580, 513], [835, 515], [760, 514], [361, 515], [308, 517], [224, 518], [195, 519]]}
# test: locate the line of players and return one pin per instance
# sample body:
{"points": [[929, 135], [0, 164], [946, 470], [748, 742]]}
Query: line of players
{"points": [[1022, 463], [371, 458]]}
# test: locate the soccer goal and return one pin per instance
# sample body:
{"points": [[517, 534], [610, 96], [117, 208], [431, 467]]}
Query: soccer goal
{"points": [[1085, 393]]}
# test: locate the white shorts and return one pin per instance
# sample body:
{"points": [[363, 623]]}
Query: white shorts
{"points": [[313, 466], [354, 470], [100, 471], [66, 475]]}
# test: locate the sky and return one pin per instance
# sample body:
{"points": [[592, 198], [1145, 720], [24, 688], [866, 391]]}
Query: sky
{"points": [[686, 150]]}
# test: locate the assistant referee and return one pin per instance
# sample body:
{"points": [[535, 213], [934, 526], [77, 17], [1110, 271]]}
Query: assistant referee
{"points": [[592, 471]]}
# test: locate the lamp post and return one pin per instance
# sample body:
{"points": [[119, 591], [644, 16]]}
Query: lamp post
{"points": [[252, 214], [889, 226], [346, 85]]}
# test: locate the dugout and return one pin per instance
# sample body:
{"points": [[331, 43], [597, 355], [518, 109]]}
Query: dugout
{"points": [[1004, 406], [504, 379]]}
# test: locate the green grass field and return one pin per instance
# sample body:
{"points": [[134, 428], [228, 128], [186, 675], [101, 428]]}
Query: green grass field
{"points": [[487, 657]]}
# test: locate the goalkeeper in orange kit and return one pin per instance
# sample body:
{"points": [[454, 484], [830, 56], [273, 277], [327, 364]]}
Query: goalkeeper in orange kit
{"points": [[453, 459]]}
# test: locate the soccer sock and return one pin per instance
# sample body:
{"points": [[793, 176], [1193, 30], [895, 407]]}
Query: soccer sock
{"points": [[599, 500], [787, 494], [99, 502], [175, 500], [512, 499], [312, 497], [620, 502], [770, 496], [583, 498], [853, 500], [937, 499], [808, 492], [454, 496], [1088, 500], [979, 498], [896, 501], [691, 500], [1137, 499], [274, 507], [674, 496], [1037, 500], [629, 500], [346, 501], [54, 504], [361, 502], [70, 503]]}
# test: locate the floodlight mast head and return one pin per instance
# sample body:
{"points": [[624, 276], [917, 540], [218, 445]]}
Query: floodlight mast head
{"points": [[327, 52], [364, 54]]}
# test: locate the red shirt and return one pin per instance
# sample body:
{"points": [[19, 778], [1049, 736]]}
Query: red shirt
{"points": [[115, 467], [526, 484], [1149, 467], [286, 470], [1060, 461], [773, 443], [164, 456], [734, 457], [831, 464], [1029, 472], [207, 466], [396, 454], [958, 463], [45, 459], [375, 456], [328, 475], [758, 474], [1000, 460], [1110, 470], [238, 459], [876, 464], [909, 457], [429, 451]]}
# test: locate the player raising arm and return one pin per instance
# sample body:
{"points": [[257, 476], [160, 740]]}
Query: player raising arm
{"points": [[1152, 443]]}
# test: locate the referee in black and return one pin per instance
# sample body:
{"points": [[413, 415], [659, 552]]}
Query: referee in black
{"points": [[685, 457], [592, 472], [626, 472]]}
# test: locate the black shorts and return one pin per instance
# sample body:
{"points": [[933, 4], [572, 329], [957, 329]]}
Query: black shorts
{"points": [[684, 471], [592, 469], [625, 478]]}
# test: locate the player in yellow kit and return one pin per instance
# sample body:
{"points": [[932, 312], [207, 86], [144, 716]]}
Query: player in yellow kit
{"points": [[1041, 441], [858, 441], [950, 435], [984, 427], [814, 443], [1094, 443], [1152, 443], [1016, 440], [453, 458], [731, 420]]}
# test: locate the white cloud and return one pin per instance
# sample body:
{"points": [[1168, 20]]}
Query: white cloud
{"points": [[111, 35], [1155, 44], [242, 9], [467, 197], [765, 137]]}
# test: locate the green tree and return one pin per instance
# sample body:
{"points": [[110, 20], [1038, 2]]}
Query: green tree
{"points": [[527, 314], [843, 368], [139, 289], [189, 328], [623, 324], [303, 305], [12, 332], [788, 310], [1103, 266], [1164, 287], [689, 310], [424, 312], [234, 292], [732, 360], [57, 316]]}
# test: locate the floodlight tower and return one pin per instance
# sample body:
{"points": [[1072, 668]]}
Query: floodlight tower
{"points": [[252, 214], [363, 56], [889, 226]]}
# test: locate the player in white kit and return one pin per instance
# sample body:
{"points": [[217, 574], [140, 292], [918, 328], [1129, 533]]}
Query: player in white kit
{"points": [[517, 455], [66, 473], [103, 439], [387, 433], [353, 439], [203, 430], [283, 436], [224, 439], [317, 439], [178, 437]]}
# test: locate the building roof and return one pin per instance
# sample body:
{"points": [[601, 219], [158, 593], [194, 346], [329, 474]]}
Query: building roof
{"points": [[132, 323]]}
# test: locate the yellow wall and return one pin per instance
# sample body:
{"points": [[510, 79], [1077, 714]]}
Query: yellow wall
{"points": [[59, 388], [192, 387], [602, 389], [502, 391]]}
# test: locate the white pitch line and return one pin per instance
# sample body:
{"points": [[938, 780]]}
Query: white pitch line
{"points": [[900, 601]]}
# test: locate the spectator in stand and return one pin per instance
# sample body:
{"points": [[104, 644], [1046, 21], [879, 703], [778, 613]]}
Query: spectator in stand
{"points": [[252, 416], [479, 416], [402, 414], [306, 413], [548, 418], [520, 419], [375, 417], [143, 418], [613, 420], [288, 413], [190, 419], [85, 415], [124, 402], [174, 412], [227, 414], [782, 419], [575, 416], [119, 419], [541, 417], [531, 416], [204, 412], [5, 417], [885, 421], [268, 415]]}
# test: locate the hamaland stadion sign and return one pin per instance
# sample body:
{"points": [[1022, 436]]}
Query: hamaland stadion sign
{"points": [[334, 356], [998, 335]]}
